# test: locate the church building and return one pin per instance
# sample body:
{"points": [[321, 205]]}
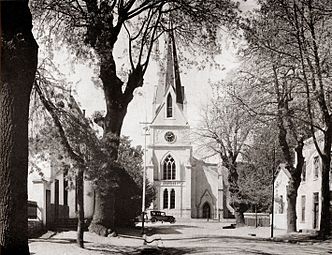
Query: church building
{"points": [[186, 187]]}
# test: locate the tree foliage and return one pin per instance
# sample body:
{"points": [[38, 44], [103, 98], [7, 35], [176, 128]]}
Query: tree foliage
{"points": [[227, 129], [95, 26], [297, 51]]}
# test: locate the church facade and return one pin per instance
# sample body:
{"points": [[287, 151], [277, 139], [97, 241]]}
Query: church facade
{"points": [[186, 187]]}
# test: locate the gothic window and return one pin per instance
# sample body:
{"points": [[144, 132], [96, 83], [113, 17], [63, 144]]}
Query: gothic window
{"points": [[169, 168], [165, 199], [172, 202], [169, 108]]}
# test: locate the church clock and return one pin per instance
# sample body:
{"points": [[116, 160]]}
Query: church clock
{"points": [[169, 136]]}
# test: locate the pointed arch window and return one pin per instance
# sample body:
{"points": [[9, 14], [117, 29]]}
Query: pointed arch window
{"points": [[169, 107], [169, 168], [165, 196], [172, 202]]}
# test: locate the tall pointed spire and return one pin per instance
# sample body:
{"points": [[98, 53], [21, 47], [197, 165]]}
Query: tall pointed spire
{"points": [[171, 74], [169, 79], [172, 67], [178, 87]]}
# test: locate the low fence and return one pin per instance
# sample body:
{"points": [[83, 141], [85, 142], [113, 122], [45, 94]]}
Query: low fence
{"points": [[257, 219], [32, 210], [35, 225]]}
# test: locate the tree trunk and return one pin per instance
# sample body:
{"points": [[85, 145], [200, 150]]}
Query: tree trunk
{"points": [[237, 203], [18, 66], [80, 208], [291, 206], [103, 222], [326, 197], [293, 186], [239, 209]]}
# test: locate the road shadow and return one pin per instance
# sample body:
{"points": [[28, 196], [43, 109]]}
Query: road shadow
{"points": [[130, 232], [56, 240], [111, 249], [166, 229]]}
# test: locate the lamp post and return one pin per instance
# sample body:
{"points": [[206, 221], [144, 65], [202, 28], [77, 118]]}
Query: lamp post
{"points": [[146, 129], [273, 168], [144, 177]]}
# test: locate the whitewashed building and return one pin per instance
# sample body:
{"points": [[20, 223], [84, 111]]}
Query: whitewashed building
{"points": [[52, 190], [308, 204], [186, 187]]}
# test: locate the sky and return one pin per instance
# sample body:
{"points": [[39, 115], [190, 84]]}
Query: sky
{"points": [[196, 83]]}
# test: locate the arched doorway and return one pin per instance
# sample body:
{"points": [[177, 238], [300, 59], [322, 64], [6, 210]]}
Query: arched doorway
{"points": [[206, 211]]}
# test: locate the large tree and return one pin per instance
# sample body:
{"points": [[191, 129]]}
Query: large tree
{"points": [[257, 167], [57, 119], [97, 25], [226, 130], [276, 101], [18, 65], [300, 36]]}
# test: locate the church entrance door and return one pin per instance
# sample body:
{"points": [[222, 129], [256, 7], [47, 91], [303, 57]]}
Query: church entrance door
{"points": [[206, 211]]}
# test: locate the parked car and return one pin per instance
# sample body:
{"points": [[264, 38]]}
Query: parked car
{"points": [[161, 216]]}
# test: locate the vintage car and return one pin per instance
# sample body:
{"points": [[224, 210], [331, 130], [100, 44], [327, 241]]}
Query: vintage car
{"points": [[161, 216]]}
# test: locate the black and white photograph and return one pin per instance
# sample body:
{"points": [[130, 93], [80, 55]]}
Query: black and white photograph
{"points": [[165, 127]]}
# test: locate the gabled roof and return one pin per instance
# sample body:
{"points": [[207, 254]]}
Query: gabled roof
{"points": [[179, 119], [282, 167]]}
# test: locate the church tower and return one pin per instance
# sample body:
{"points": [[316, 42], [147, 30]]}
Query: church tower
{"points": [[170, 150]]}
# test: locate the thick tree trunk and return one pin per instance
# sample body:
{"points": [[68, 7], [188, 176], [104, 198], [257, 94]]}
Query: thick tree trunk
{"points": [[325, 221], [80, 208], [237, 203], [291, 206], [103, 222], [18, 66], [239, 209], [293, 186]]}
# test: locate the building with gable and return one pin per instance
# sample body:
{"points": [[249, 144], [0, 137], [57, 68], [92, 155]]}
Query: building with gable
{"points": [[308, 203], [186, 187]]}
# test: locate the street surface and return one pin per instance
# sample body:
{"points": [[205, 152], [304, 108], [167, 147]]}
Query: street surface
{"points": [[194, 237]]}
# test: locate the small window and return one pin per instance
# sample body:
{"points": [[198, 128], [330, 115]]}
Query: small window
{"points": [[65, 187], [169, 107], [165, 199], [304, 171], [281, 208], [316, 166], [172, 202], [303, 208]]}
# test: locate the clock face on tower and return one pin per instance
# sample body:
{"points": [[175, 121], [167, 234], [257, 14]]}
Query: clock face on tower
{"points": [[169, 136]]}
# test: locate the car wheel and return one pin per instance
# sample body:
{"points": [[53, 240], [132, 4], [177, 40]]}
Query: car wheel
{"points": [[153, 220]]}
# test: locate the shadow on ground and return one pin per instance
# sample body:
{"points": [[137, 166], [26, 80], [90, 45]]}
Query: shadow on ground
{"points": [[55, 240], [110, 249], [166, 229], [136, 232]]}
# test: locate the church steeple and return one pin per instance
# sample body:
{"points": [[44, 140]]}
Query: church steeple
{"points": [[171, 75], [178, 87], [172, 69]]}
